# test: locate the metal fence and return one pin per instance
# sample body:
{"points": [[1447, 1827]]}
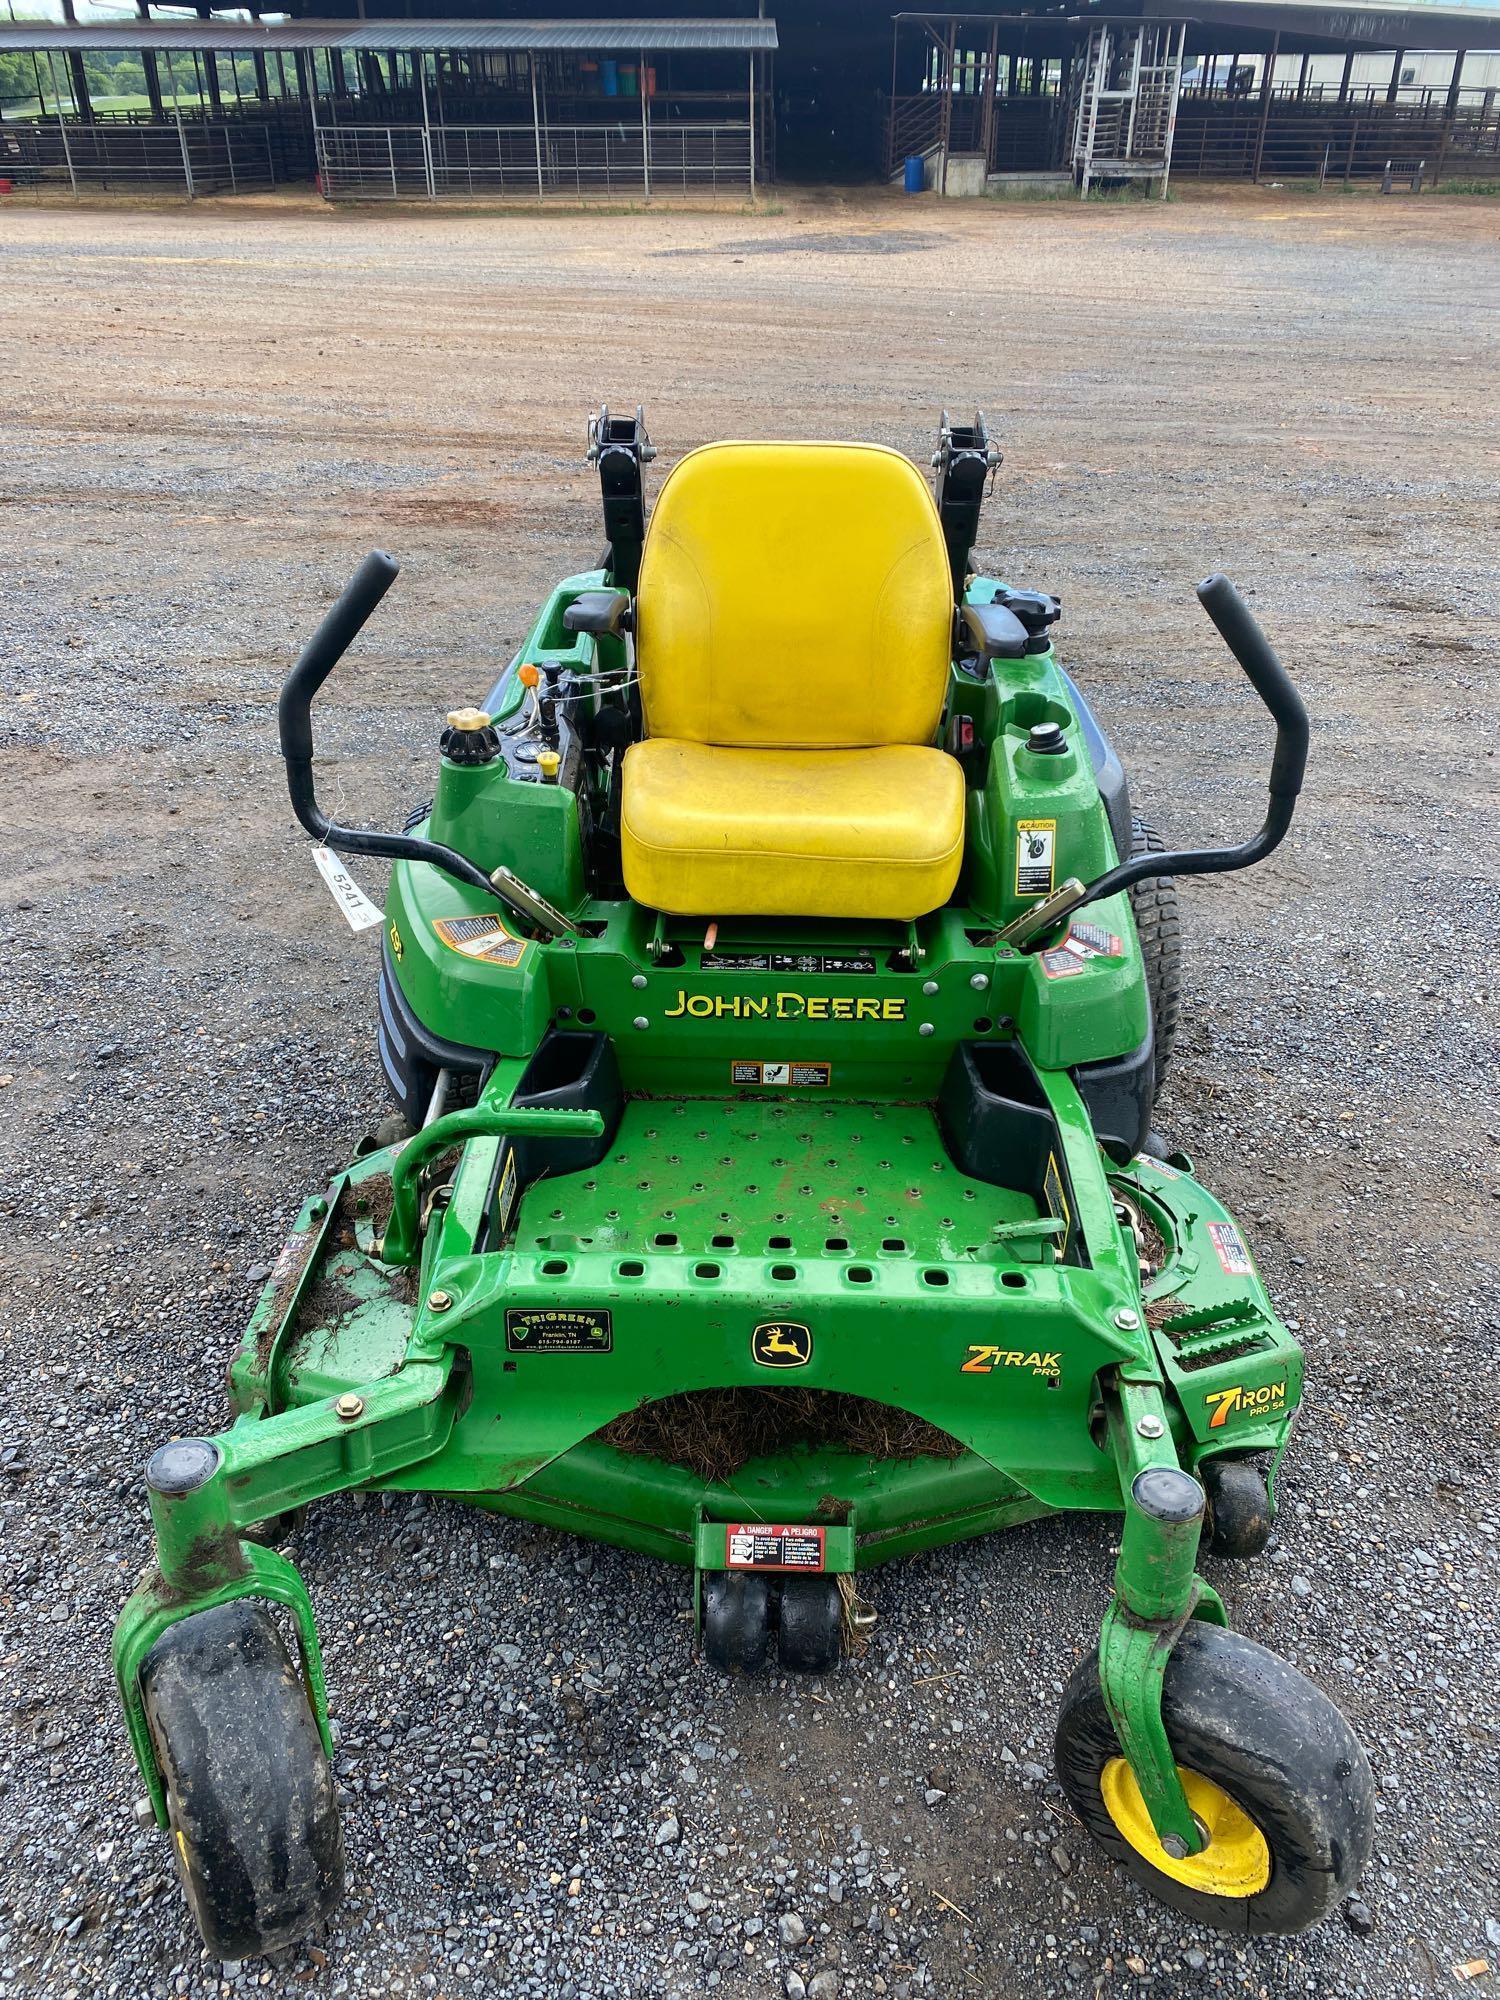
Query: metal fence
{"points": [[571, 163], [170, 156]]}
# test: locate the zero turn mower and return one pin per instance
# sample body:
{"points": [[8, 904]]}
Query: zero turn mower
{"points": [[776, 990]]}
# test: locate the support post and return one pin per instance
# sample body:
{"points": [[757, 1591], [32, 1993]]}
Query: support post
{"points": [[1395, 83], [1176, 66], [62, 123], [752, 130], [1265, 103], [1344, 79], [645, 97], [426, 131], [536, 128], [1451, 106], [187, 164]]}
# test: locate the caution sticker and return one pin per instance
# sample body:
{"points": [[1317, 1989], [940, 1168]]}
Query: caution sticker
{"points": [[750, 1545], [505, 1194], [1036, 850], [558, 1330], [1057, 1203], [480, 937], [786, 1075], [1230, 1245]]}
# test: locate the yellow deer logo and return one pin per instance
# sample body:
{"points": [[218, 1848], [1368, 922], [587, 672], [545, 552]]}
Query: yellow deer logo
{"points": [[781, 1343]]}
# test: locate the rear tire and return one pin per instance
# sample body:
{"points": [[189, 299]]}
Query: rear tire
{"points": [[1296, 1805], [250, 1798], [1158, 923]]}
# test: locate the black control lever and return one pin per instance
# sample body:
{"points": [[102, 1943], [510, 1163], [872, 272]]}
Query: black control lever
{"points": [[1273, 684], [315, 663]]}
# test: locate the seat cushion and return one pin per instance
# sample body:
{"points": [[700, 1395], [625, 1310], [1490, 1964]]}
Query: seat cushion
{"points": [[715, 832]]}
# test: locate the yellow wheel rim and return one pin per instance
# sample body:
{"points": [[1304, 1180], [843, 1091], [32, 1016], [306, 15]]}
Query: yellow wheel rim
{"points": [[1236, 1860]]}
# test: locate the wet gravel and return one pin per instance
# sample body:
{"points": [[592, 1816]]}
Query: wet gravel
{"points": [[214, 414]]}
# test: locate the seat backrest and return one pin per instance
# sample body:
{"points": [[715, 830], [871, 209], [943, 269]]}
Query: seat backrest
{"points": [[794, 596]]}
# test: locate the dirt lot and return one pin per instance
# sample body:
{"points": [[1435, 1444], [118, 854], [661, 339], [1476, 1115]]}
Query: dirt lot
{"points": [[211, 414]]}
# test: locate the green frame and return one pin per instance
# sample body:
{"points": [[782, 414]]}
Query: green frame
{"points": [[384, 1353]]}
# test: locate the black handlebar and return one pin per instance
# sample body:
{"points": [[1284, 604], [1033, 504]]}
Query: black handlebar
{"points": [[315, 663], [1267, 676], [1271, 681]]}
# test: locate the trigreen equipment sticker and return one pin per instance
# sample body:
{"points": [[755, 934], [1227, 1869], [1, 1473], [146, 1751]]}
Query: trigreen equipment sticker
{"points": [[558, 1330]]}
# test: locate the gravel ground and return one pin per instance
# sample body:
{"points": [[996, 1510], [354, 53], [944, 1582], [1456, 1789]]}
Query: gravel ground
{"points": [[211, 415]]}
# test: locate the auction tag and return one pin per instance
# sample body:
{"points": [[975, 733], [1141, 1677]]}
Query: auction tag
{"points": [[346, 892], [750, 1545]]}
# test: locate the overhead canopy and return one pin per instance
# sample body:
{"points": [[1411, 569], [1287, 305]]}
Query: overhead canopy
{"points": [[1410, 24], [247, 36]]}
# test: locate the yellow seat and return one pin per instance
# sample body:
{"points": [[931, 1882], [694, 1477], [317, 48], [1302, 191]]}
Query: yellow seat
{"points": [[793, 635]]}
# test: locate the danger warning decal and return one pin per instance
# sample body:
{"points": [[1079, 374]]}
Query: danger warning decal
{"points": [[480, 937], [1083, 942], [786, 1075], [750, 1545], [1230, 1245], [1036, 849]]}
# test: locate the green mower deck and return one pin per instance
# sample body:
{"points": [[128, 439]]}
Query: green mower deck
{"points": [[778, 1249]]}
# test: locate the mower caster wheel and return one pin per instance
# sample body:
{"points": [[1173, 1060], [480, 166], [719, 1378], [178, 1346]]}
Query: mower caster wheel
{"points": [[1271, 1769], [1237, 1519], [736, 1621], [250, 1798], [810, 1635]]}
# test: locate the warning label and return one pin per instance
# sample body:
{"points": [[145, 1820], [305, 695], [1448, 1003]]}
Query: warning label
{"points": [[1094, 941], [1060, 963], [558, 1330], [752, 1546], [1057, 1202], [480, 937], [1036, 848], [786, 961], [787, 1075], [1230, 1245]]}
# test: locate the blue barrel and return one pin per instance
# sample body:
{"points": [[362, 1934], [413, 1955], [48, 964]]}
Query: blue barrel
{"points": [[916, 173], [609, 76]]}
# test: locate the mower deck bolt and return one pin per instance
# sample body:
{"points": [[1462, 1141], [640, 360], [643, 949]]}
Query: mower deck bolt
{"points": [[439, 1301], [1174, 1845], [929, 987], [640, 1021], [348, 1406], [639, 980], [979, 981], [927, 1029], [1150, 1427], [1127, 1320]]}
